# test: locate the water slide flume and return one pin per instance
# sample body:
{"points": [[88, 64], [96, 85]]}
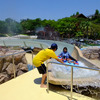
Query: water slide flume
{"points": [[69, 61], [76, 82], [83, 76], [74, 65]]}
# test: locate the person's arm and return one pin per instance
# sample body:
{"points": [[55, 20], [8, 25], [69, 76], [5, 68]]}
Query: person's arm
{"points": [[59, 60], [72, 57], [53, 55]]}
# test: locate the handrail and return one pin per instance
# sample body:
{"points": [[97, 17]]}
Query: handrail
{"points": [[13, 58], [15, 53], [83, 67], [96, 69]]}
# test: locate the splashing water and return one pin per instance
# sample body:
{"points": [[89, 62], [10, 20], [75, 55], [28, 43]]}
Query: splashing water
{"points": [[64, 72]]}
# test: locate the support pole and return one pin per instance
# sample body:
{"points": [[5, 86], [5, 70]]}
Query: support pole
{"points": [[32, 59], [47, 79], [71, 82], [4, 43], [13, 66], [24, 44], [41, 46]]}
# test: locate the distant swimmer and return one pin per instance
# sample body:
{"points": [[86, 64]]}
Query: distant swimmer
{"points": [[42, 56]]}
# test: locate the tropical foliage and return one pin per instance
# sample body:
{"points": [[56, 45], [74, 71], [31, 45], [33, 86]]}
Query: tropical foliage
{"points": [[68, 27]]}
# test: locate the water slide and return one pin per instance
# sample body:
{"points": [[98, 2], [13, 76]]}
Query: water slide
{"points": [[60, 75], [27, 86]]}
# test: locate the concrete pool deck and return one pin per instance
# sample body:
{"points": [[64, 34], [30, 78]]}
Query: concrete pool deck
{"points": [[27, 87]]}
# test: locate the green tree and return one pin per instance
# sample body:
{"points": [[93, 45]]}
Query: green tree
{"points": [[95, 34], [66, 27], [85, 27], [96, 15], [79, 34], [3, 27], [13, 27], [97, 12], [30, 24], [77, 13]]}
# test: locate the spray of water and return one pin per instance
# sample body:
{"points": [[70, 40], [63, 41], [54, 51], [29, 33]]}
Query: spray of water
{"points": [[39, 29]]}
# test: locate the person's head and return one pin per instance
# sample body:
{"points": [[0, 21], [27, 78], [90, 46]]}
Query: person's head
{"points": [[54, 46], [65, 49]]}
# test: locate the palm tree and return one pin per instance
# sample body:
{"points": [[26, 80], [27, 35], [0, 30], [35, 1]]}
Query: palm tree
{"points": [[85, 28]]}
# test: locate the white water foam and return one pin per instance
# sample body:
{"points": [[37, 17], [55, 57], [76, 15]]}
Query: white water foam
{"points": [[64, 72]]}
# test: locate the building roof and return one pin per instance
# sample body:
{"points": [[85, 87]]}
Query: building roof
{"points": [[80, 16]]}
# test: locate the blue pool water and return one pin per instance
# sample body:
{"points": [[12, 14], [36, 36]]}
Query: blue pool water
{"points": [[30, 67]]}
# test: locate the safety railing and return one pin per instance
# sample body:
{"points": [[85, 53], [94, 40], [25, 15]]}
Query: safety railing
{"points": [[13, 58], [21, 43], [95, 69]]}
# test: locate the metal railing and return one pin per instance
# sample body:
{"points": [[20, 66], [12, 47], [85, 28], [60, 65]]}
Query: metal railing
{"points": [[13, 58], [23, 43], [95, 69]]}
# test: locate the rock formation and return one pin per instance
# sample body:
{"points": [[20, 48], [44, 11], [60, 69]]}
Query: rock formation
{"points": [[7, 66], [91, 53], [48, 33]]}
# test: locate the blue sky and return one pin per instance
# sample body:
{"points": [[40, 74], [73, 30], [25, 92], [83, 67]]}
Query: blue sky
{"points": [[46, 9]]}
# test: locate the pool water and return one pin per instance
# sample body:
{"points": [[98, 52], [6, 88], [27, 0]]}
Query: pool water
{"points": [[64, 72], [30, 67]]}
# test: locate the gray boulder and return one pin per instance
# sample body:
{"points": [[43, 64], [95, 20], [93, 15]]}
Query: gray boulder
{"points": [[20, 72], [18, 58], [1, 60], [5, 66], [22, 67], [24, 61], [8, 59], [10, 70], [91, 53], [3, 77]]}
